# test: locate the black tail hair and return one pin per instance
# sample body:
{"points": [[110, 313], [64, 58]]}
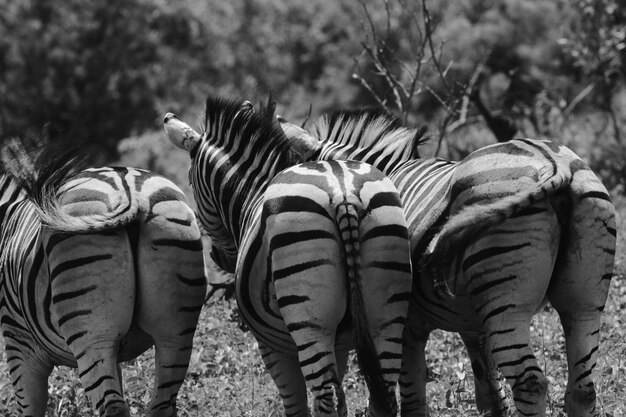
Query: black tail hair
{"points": [[39, 165]]}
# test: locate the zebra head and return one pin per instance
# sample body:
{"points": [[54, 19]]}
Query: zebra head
{"points": [[180, 133], [234, 158]]}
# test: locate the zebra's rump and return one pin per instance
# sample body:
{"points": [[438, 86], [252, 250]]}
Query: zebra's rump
{"points": [[103, 190], [301, 226], [506, 169]]}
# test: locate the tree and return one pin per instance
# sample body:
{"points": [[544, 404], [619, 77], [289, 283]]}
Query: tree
{"points": [[595, 50], [468, 60], [90, 68]]}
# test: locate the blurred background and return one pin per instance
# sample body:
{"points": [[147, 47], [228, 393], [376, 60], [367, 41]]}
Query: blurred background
{"points": [[103, 74]]}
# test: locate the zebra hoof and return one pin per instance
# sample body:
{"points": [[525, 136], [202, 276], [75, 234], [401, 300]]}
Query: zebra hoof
{"points": [[581, 402], [164, 411], [116, 410]]}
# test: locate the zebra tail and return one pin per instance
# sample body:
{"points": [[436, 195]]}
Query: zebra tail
{"points": [[54, 217], [441, 257], [41, 173], [347, 220]]}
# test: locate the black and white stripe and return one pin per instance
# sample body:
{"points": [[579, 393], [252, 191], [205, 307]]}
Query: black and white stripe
{"points": [[506, 227], [321, 254], [104, 290]]}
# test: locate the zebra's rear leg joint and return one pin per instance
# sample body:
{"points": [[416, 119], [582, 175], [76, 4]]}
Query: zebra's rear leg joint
{"points": [[532, 390]]}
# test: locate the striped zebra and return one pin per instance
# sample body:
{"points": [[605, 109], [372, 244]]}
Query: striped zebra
{"points": [[320, 252], [116, 268], [506, 228]]}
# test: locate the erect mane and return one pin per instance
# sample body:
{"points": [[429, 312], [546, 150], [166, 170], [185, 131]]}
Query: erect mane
{"points": [[370, 129], [227, 120]]}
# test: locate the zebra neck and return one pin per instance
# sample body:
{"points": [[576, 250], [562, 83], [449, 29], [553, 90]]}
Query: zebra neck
{"points": [[250, 196], [228, 194], [10, 193]]}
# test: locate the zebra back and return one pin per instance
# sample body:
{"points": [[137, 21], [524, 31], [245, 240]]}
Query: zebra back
{"points": [[489, 186], [498, 180]]}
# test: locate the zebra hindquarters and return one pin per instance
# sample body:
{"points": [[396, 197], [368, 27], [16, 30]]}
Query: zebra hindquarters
{"points": [[383, 269], [580, 286], [489, 384], [93, 298], [506, 273], [171, 288], [308, 274]]}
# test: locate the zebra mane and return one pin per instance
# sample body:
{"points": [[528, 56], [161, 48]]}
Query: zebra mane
{"points": [[231, 124], [370, 130]]}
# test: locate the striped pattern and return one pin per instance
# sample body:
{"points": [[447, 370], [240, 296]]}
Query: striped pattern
{"points": [[503, 229], [93, 296], [320, 252]]}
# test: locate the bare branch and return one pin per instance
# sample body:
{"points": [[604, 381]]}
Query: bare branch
{"points": [[381, 102], [442, 132], [384, 71], [402, 76], [372, 30], [308, 116], [576, 100], [388, 13]]}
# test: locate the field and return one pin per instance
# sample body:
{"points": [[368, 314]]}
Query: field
{"points": [[226, 377]]}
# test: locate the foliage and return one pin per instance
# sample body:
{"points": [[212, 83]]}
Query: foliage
{"points": [[527, 66], [84, 66], [102, 72], [509, 44]]}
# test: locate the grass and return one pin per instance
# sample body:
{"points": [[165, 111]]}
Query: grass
{"points": [[226, 377]]}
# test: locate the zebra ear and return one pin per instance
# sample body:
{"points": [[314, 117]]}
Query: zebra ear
{"points": [[180, 133], [247, 105], [301, 141]]}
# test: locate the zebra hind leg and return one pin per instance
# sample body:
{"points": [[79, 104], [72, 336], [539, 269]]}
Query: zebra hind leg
{"points": [[507, 272], [413, 375], [312, 315], [93, 303], [489, 383], [171, 290], [383, 271], [579, 291], [285, 371], [322, 377], [98, 373], [29, 378]]}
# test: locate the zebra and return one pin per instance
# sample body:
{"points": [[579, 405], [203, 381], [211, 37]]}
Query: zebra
{"points": [[320, 252], [492, 237], [96, 269]]}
